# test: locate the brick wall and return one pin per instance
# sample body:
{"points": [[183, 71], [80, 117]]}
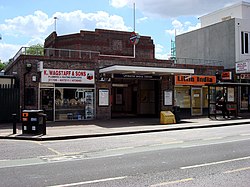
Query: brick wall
{"points": [[107, 42]]}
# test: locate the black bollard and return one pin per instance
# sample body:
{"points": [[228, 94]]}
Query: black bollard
{"points": [[14, 123], [44, 124]]}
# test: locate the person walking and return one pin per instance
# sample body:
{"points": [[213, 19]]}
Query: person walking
{"points": [[222, 102]]}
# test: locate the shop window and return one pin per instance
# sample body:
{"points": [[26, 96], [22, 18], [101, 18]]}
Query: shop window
{"points": [[205, 96], [74, 103], [244, 98], [182, 96]]}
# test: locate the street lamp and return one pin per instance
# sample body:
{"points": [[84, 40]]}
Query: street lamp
{"points": [[55, 18]]}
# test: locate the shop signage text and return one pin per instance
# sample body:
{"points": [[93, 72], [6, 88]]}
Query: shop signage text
{"points": [[242, 67], [134, 76], [68, 76], [194, 80], [227, 75], [245, 76]]}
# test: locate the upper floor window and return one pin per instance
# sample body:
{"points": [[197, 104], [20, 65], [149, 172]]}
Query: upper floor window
{"points": [[245, 37]]}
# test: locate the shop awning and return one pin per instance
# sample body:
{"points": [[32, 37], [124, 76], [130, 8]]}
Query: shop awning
{"points": [[117, 69]]}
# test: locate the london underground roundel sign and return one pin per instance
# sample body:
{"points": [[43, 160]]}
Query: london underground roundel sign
{"points": [[134, 38]]}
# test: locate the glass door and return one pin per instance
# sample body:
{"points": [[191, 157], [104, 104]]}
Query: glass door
{"points": [[196, 97], [47, 102]]}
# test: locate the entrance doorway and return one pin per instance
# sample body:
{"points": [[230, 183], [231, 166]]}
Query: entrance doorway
{"points": [[47, 102], [196, 98], [134, 98]]}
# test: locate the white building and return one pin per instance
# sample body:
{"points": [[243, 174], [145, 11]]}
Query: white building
{"points": [[224, 36]]}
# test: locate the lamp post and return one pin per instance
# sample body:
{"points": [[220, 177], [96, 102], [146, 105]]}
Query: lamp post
{"points": [[55, 18]]}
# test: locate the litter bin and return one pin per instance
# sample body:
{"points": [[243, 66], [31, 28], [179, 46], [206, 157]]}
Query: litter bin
{"points": [[33, 122], [167, 117], [176, 112]]}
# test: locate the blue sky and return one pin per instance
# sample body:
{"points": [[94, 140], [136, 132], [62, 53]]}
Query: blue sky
{"points": [[28, 22]]}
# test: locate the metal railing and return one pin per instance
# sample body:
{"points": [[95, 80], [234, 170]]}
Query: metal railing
{"points": [[206, 62], [53, 52]]}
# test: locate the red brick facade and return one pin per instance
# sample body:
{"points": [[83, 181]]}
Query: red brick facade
{"points": [[95, 50]]}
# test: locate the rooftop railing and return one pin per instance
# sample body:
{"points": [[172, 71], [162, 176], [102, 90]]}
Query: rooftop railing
{"points": [[199, 61], [53, 52]]}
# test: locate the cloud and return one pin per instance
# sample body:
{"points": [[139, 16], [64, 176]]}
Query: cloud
{"points": [[174, 8], [37, 26], [159, 52], [7, 51], [27, 25], [158, 48], [180, 28], [140, 20], [40, 24], [118, 3], [162, 56]]}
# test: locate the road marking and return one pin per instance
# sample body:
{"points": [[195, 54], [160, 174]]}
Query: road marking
{"points": [[215, 163], [90, 182], [120, 148], [245, 134], [54, 151], [213, 138], [172, 182], [214, 143], [166, 143], [237, 170]]}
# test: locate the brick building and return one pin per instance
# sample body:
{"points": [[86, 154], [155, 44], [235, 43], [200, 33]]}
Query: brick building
{"points": [[101, 74]]}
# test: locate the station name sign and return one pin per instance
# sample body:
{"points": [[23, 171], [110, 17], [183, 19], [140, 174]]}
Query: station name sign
{"points": [[134, 76], [194, 80], [67, 76]]}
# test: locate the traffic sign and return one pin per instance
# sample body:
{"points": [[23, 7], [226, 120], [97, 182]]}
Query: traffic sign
{"points": [[134, 38]]}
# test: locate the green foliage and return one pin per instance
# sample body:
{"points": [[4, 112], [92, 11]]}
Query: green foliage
{"points": [[2, 65], [37, 49]]}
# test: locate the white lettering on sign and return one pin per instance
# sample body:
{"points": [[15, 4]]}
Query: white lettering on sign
{"points": [[68, 76]]}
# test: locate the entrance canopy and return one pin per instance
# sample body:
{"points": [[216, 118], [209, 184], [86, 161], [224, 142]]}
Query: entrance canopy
{"points": [[117, 69]]}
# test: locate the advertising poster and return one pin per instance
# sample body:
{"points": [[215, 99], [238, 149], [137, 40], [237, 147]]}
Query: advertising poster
{"points": [[168, 97], [103, 97]]}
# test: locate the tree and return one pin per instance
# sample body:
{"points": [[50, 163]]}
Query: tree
{"points": [[37, 49], [2, 65]]}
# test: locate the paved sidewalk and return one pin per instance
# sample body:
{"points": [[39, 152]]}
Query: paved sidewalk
{"points": [[96, 128]]}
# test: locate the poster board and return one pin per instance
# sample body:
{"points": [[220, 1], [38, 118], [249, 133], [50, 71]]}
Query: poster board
{"points": [[230, 95], [168, 98], [103, 97]]}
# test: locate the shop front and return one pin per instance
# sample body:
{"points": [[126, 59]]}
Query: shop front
{"points": [[191, 94], [133, 96], [138, 91], [243, 71], [67, 94]]}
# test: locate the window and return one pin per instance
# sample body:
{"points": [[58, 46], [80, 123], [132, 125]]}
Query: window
{"points": [[242, 42], [74, 103], [245, 42]]}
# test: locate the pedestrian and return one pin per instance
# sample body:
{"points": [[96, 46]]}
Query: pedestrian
{"points": [[223, 104]]}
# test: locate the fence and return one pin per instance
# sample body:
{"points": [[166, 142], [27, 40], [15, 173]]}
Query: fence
{"points": [[9, 103]]}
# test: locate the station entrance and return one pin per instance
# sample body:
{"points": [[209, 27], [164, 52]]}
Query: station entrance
{"points": [[135, 98]]}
